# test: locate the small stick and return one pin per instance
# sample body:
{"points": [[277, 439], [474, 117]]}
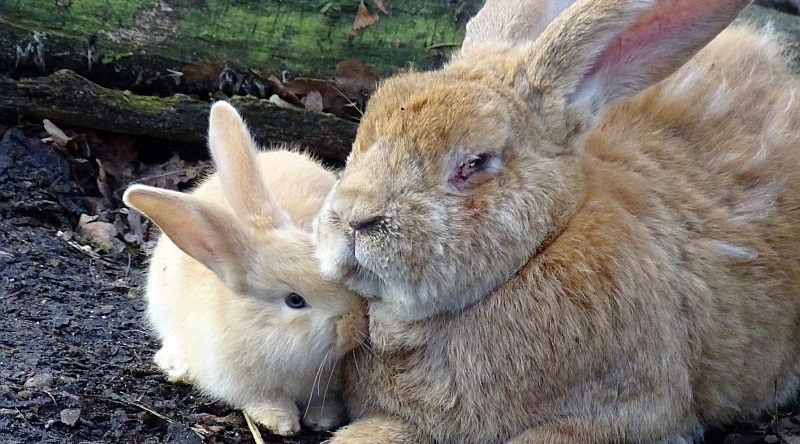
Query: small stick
{"points": [[253, 428], [442, 45], [128, 402]]}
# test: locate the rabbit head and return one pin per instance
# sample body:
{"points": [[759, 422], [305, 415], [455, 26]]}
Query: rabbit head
{"points": [[253, 247], [458, 177]]}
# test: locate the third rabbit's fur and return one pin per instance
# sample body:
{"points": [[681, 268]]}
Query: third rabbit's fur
{"points": [[580, 237]]}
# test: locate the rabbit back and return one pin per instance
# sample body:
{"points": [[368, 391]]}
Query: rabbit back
{"points": [[674, 289]]}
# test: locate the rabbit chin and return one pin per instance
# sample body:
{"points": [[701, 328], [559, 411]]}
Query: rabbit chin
{"points": [[394, 296]]}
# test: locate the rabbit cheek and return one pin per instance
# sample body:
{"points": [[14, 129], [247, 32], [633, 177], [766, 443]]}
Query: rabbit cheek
{"points": [[334, 247], [350, 330]]}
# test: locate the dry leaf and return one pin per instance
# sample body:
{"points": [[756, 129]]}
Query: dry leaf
{"points": [[118, 154], [354, 78], [790, 439], [364, 18], [280, 90], [202, 74], [58, 138], [313, 101], [383, 5], [102, 184], [102, 233], [277, 101]]}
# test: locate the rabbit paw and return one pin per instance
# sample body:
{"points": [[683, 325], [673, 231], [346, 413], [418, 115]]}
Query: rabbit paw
{"points": [[324, 417], [378, 430], [279, 419], [171, 361]]}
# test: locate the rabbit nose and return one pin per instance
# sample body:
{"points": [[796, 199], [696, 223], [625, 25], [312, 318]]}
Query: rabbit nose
{"points": [[367, 225]]}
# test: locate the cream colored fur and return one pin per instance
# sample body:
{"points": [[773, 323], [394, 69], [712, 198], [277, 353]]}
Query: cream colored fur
{"points": [[233, 250], [625, 267]]}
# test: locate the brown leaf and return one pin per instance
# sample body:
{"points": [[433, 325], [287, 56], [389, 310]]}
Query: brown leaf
{"points": [[353, 78], [203, 74], [118, 154], [58, 138], [103, 233], [300, 86], [383, 5], [364, 18], [284, 94], [102, 184]]}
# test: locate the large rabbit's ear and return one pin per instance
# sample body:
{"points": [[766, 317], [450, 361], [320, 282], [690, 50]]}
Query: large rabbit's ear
{"points": [[599, 51], [511, 21], [204, 231], [234, 155]]}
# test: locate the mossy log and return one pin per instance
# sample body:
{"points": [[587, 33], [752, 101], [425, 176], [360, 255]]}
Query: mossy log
{"points": [[67, 98], [126, 44]]}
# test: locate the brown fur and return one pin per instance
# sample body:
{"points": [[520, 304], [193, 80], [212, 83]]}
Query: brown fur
{"points": [[630, 271]]}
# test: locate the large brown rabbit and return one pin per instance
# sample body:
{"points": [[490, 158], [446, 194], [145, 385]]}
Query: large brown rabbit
{"points": [[562, 245]]}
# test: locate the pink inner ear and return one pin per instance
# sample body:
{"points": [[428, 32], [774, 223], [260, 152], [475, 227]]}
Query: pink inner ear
{"points": [[660, 28]]}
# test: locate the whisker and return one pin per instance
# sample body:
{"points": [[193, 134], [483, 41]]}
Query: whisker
{"points": [[355, 362], [324, 360], [325, 394], [316, 377]]}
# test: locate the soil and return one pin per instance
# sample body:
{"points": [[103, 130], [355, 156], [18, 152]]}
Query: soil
{"points": [[75, 355]]}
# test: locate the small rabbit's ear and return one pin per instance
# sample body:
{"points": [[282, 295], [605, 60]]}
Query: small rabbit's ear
{"points": [[511, 21], [600, 51], [234, 155], [204, 231]]}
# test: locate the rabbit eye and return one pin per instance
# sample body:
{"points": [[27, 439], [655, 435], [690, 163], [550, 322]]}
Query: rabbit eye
{"points": [[294, 300], [478, 163], [473, 165]]}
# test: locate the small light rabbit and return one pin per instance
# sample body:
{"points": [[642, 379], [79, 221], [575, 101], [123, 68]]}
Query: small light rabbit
{"points": [[233, 289], [586, 237]]}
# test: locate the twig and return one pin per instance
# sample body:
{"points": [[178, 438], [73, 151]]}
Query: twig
{"points": [[51, 397], [123, 401], [14, 236], [22, 415], [88, 251], [443, 45], [253, 428]]}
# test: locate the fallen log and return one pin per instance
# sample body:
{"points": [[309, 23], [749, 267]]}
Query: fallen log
{"points": [[69, 99], [144, 45]]}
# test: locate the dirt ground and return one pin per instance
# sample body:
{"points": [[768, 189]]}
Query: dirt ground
{"points": [[75, 355]]}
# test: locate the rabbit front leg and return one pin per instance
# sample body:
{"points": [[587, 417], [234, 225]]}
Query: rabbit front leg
{"points": [[280, 415], [569, 432], [562, 433], [172, 361], [378, 430], [324, 414]]}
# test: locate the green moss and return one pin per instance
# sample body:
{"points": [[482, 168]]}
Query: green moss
{"points": [[75, 17], [307, 37]]}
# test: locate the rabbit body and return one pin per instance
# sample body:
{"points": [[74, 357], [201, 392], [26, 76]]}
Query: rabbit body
{"points": [[633, 289], [234, 337]]}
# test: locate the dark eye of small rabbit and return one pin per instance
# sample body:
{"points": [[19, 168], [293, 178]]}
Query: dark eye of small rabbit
{"points": [[294, 300], [470, 167]]}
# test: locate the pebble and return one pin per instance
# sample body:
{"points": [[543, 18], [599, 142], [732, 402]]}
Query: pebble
{"points": [[70, 417]]}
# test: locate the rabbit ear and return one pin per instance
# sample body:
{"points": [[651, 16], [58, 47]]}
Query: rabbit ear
{"points": [[204, 231], [600, 51], [234, 155], [511, 21]]}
